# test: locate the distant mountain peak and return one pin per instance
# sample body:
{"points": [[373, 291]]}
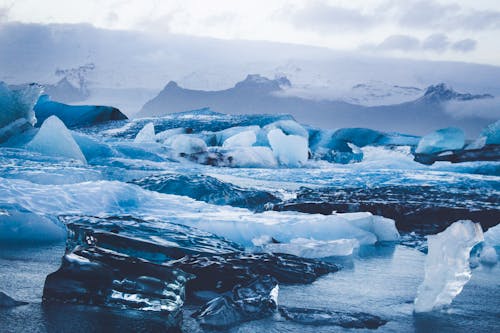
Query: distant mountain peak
{"points": [[257, 81], [171, 85], [442, 92]]}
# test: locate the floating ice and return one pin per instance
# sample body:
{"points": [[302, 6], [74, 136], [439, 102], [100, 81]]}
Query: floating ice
{"points": [[290, 150], [242, 139], [256, 300], [146, 134], [492, 236], [184, 144], [251, 157], [222, 136], [75, 115], [492, 133], [16, 108], [54, 139], [18, 226], [235, 224], [91, 148], [447, 265], [450, 138], [165, 135], [310, 248]]}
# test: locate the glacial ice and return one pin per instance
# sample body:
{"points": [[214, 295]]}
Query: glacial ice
{"points": [[54, 139], [16, 108], [75, 115], [91, 148], [492, 236], [257, 299], [242, 139], [310, 248], [184, 144], [235, 224], [488, 255], [146, 134], [20, 226], [492, 133], [251, 157], [290, 150], [447, 265], [222, 136], [450, 138]]}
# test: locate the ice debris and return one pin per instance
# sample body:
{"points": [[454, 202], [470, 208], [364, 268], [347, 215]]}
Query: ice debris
{"points": [[54, 139], [447, 265]]}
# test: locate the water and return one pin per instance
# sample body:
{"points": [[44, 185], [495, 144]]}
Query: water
{"points": [[381, 281]]}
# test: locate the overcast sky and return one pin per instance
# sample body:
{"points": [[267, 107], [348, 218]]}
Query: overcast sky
{"points": [[445, 30]]}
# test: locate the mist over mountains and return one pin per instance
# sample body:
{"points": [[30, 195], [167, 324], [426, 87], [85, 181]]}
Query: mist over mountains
{"points": [[130, 68]]}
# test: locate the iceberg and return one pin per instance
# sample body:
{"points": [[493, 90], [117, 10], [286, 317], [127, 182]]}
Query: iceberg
{"points": [[492, 133], [450, 138], [250, 157], [16, 108], [75, 115], [242, 139], [91, 148], [258, 299], [290, 150], [146, 134], [21, 226], [221, 136], [54, 139], [185, 145], [447, 265]]}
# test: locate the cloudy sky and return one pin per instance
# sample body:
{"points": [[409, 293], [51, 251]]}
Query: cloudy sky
{"points": [[431, 29]]}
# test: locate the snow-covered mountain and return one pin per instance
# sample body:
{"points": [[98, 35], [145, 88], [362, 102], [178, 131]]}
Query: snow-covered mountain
{"points": [[130, 67], [258, 94]]}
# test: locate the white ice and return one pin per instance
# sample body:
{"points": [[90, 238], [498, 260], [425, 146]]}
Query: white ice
{"points": [[54, 139], [187, 144], [290, 150], [242, 139], [447, 265], [236, 224], [146, 134], [252, 157]]}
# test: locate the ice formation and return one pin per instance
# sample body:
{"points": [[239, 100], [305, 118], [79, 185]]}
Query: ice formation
{"points": [[7, 302], [290, 150], [54, 139], [251, 157], [447, 265], [16, 108], [146, 134], [492, 133], [18, 225], [441, 140], [242, 139], [310, 248], [492, 236], [184, 144], [75, 115]]}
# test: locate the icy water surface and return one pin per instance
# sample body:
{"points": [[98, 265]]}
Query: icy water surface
{"points": [[139, 192], [381, 281]]}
